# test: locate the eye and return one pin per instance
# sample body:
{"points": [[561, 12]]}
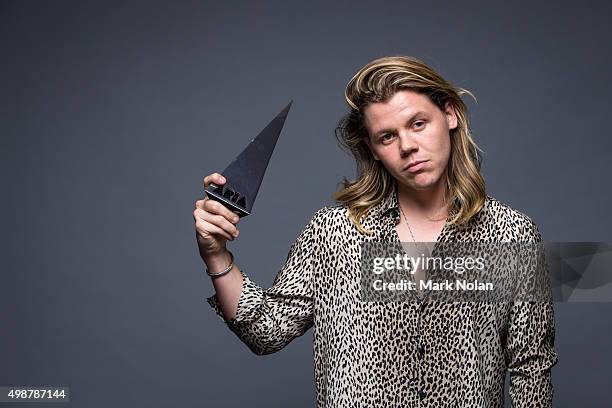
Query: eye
{"points": [[386, 137], [419, 124]]}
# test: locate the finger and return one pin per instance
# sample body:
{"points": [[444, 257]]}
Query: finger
{"points": [[205, 228], [199, 204], [197, 214], [219, 221], [229, 214], [214, 178], [216, 207]]}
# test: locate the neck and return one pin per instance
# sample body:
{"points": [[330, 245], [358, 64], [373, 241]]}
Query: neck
{"points": [[429, 203]]}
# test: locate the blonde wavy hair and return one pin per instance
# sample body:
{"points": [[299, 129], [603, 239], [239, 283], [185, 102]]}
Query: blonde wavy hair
{"points": [[378, 81]]}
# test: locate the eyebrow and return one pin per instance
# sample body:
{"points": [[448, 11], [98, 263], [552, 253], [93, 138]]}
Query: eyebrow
{"points": [[389, 130]]}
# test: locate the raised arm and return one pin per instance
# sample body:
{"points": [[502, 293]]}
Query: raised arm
{"points": [[267, 320]]}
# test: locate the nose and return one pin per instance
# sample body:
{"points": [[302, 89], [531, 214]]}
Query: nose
{"points": [[407, 144]]}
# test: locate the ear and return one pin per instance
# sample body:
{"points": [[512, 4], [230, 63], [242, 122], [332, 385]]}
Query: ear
{"points": [[451, 116], [368, 142]]}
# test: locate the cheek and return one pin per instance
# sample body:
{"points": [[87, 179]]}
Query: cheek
{"points": [[385, 154], [447, 147], [442, 149], [390, 160], [444, 143]]}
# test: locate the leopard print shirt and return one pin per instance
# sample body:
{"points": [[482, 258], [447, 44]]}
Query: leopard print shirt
{"points": [[405, 354]]}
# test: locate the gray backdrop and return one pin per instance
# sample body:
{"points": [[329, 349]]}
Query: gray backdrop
{"points": [[112, 113]]}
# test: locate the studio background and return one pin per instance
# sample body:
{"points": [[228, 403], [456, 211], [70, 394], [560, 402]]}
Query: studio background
{"points": [[113, 112]]}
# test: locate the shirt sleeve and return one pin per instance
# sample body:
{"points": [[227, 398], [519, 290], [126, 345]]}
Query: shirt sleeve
{"points": [[267, 320], [530, 351]]}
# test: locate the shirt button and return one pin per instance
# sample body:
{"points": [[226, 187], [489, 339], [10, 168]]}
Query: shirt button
{"points": [[422, 394], [421, 351]]}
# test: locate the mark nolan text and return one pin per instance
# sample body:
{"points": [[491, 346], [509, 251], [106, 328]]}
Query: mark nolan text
{"points": [[459, 284]]}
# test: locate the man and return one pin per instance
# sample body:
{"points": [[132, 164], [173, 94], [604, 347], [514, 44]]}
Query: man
{"points": [[419, 181]]}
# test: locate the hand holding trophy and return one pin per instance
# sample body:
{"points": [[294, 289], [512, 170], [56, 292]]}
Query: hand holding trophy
{"points": [[230, 196]]}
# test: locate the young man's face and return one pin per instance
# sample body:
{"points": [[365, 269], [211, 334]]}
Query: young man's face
{"points": [[409, 128]]}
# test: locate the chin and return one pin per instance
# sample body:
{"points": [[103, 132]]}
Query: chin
{"points": [[421, 182], [422, 186]]}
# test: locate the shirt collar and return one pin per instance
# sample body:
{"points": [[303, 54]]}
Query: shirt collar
{"points": [[389, 204]]}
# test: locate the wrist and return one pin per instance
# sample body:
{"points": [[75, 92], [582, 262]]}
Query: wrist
{"points": [[218, 261]]}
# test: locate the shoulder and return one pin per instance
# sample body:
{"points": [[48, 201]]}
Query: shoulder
{"points": [[500, 209], [510, 223], [330, 216], [332, 222], [325, 223]]}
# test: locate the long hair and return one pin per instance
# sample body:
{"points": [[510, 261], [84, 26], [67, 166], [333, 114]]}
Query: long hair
{"points": [[378, 81]]}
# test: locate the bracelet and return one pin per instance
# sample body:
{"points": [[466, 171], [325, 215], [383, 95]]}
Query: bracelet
{"points": [[226, 270]]}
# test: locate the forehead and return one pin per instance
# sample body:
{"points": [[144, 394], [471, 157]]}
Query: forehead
{"points": [[400, 106]]}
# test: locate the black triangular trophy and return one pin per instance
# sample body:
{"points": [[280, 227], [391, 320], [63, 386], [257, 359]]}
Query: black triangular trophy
{"points": [[244, 174]]}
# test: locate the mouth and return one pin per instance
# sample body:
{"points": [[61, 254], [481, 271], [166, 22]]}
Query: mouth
{"points": [[415, 166]]}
